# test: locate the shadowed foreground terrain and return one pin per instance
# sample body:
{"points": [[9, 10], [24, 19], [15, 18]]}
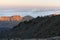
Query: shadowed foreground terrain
{"points": [[40, 27]]}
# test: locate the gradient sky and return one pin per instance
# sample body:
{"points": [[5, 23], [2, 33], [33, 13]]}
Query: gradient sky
{"points": [[26, 3]]}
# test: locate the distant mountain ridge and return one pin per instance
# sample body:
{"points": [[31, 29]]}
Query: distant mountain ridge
{"points": [[11, 18], [27, 18], [10, 22]]}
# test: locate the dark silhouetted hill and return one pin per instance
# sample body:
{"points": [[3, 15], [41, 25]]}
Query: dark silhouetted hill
{"points": [[7, 23], [40, 27]]}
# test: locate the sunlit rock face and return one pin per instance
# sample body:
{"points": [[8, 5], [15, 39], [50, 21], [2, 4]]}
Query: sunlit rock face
{"points": [[10, 21], [12, 18], [16, 18], [4, 18]]}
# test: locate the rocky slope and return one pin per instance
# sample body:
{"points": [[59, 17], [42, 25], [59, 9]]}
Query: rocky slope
{"points": [[6, 21], [27, 18], [40, 27], [6, 25]]}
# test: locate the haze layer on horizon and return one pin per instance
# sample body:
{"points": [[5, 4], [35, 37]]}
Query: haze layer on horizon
{"points": [[4, 4]]}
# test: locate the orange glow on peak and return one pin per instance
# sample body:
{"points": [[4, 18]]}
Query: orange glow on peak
{"points": [[12, 18]]}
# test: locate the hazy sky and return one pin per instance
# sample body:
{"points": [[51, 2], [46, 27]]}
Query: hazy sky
{"points": [[27, 3], [35, 3]]}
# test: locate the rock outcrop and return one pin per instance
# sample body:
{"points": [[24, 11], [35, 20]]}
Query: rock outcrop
{"points": [[11, 18]]}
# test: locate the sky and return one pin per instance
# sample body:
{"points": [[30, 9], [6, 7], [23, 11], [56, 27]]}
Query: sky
{"points": [[26, 4], [30, 3]]}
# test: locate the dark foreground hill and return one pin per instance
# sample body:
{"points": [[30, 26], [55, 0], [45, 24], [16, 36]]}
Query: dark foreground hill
{"points": [[6, 26], [40, 27]]}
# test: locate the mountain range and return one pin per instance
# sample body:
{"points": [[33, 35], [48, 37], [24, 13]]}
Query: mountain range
{"points": [[11, 18], [40, 27], [11, 21]]}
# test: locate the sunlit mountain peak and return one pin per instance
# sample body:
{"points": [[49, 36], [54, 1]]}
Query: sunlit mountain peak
{"points": [[12, 18]]}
